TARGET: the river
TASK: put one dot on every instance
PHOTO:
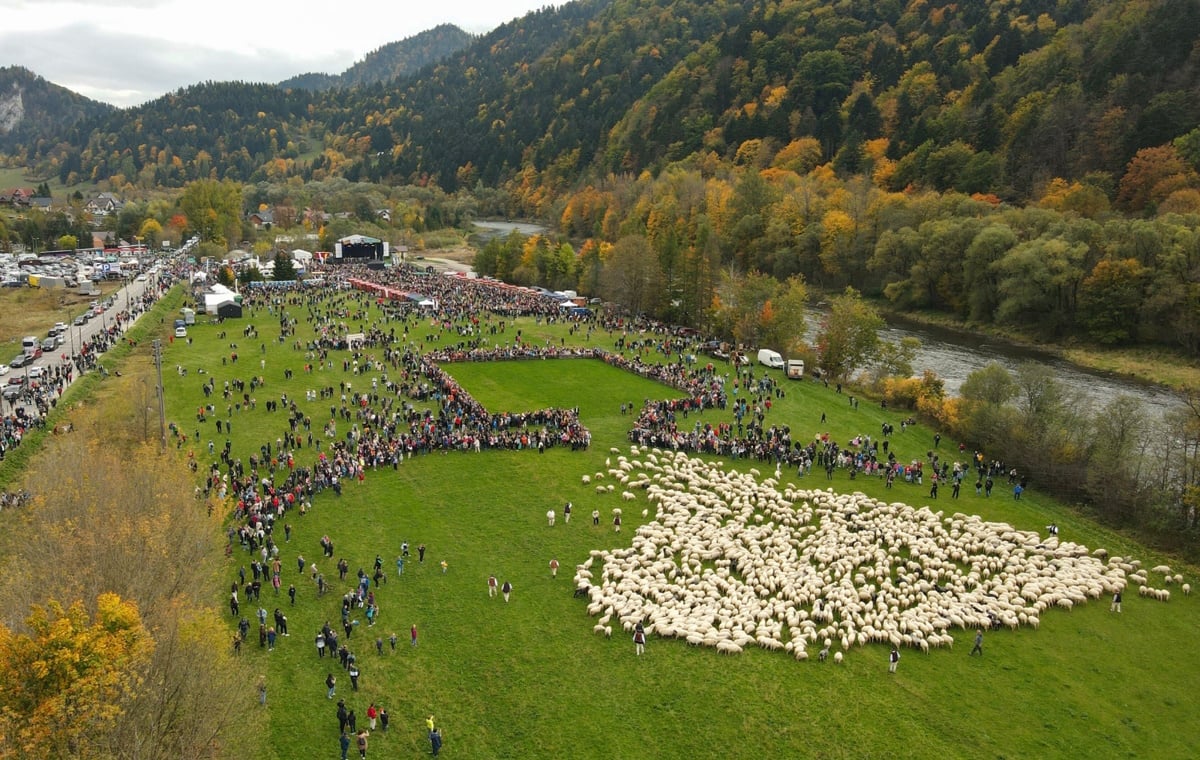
(493, 229)
(954, 355)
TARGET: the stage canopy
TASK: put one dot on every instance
(359, 249)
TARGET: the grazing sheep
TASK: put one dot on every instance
(628, 495)
(837, 658)
(728, 562)
(586, 479)
(1186, 589)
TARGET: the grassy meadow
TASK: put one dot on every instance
(529, 679)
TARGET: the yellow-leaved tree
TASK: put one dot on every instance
(69, 678)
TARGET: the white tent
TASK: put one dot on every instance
(428, 303)
(217, 295)
(302, 255)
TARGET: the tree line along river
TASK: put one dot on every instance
(954, 355)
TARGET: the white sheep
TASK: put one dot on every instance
(823, 565)
(837, 658)
(1186, 589)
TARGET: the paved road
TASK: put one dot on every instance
(121, 301)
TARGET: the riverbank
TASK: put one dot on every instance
(1150, 365)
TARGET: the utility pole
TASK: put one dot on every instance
(162, 401)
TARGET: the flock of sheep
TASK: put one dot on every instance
(730, 562)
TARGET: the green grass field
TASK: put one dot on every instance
(529, 679)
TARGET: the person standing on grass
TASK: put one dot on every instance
(978, 648)
(639, 641)
(362, 744)
(421, 553)
(595, 518)
(344, 744)
(554, 568)
(262, 690)
(506, 589)
(893, 660)
(435, 741)
(413, 633)
(330, 684)
(492, 584)
(1116, 603)
(372, 715)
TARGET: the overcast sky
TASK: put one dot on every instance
(127, 52)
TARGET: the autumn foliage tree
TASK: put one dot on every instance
(117, 517)
(70, 677)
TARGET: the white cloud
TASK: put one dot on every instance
(127, 52)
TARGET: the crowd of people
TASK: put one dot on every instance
(390, 398)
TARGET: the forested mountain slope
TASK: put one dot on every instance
(34, 110)
(995, 97)
(391, 61)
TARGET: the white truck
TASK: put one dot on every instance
(795, 369)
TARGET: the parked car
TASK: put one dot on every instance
(36, 371)
(180, 332)
(4, 370)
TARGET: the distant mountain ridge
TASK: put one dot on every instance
(33, 108)
(391, 61)
(991, 98)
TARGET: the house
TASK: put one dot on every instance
(262, 219)
(316, 217)
(104, 204)
(41, 203)
(18, 197)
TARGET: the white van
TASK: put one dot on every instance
(795, 369)
(769, 358)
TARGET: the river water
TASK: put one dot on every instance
(492, 229)
(954, 355)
